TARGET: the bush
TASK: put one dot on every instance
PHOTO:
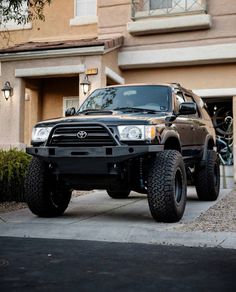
(13, 166)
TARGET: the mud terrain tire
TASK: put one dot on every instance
(167, 187)
(45, 196)
(207, 178)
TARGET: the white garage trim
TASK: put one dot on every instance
(211, 54)
(49, 71)
(114, 76)
(215, 92)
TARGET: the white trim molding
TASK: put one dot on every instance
(49, 71)
(42, 54)
(211, 54)
(83, 20)
(114, 76)
(215, 92)
(169, 24)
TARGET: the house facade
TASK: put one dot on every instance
(192, 42)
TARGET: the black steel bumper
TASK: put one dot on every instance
(90, 160)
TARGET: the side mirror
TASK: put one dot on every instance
(70, 112)
(187, 108)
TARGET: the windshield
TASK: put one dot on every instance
(150, 97)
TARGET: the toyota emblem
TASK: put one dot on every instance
(82, 134)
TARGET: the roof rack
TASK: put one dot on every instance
(175, 83)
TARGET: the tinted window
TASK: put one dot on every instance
(145, 96)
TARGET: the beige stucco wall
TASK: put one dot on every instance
(13, 116)
(193, 77)
(223, 15)
(56, 27)
(53, 91)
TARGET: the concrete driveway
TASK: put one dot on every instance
(96, 216)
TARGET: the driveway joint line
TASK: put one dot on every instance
(106, 212)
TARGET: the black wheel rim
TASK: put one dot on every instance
(178, 185)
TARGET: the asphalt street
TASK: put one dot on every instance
(72, 265)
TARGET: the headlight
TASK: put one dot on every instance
(137, 133)
(40, 134)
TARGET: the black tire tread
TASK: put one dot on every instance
(160, 187)
(204, 178)
(37, 194)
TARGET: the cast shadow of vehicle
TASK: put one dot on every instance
(132, 209)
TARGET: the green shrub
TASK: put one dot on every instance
(13, 166)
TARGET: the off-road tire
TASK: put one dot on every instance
(167, 187)
(207, 178)
(45, 196)
(118, 194)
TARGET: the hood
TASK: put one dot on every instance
(109, 119)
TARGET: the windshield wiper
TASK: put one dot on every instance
(95, 111)
(135, 109)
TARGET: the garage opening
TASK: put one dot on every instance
(221, 112)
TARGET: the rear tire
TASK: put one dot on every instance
(45, 196)
(207, 178)
(167, 187)
(118, 194)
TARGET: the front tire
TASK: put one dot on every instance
(45, 196)
(207, 178)
(167, 187)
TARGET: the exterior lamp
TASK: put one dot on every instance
(86, 84)
(7, 90)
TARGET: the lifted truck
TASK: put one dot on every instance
(151, 139)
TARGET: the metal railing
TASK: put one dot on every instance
(156, 8)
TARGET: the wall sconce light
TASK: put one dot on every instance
(86, 84)
(7, 90)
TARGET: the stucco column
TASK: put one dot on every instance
(234, 128)
(12, 116)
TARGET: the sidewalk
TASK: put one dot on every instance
(97, 217)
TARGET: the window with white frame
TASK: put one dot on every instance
(162, 16)
(167, 7)
(85, 12)
(11, 24)
(69, 102)
(160, 4)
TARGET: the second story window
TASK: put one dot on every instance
(14, 19)
(85, 12)
(164, 16)
(142, 8)
(160, 4)
(86, 7)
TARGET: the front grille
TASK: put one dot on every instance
(67, 136)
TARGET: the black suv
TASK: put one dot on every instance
(151, 139)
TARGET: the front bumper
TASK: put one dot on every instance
(90, 160)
